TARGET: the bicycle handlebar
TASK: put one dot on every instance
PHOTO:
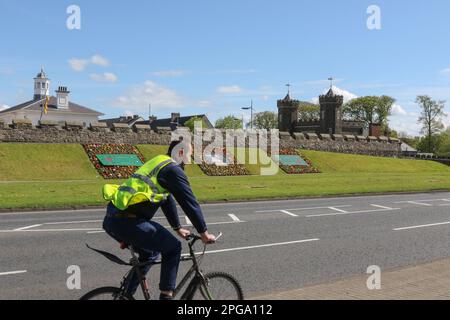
(194, 238)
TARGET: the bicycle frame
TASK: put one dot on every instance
(197, 280)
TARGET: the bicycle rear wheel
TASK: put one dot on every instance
(219, 286)
(106, 293)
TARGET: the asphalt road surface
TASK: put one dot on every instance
(269, 246)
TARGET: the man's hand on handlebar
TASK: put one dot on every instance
(208, 238)
(183, 233)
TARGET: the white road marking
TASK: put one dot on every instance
(382, 207)
(188, 221)
(300, 209)
(349, 213)
(47, 230)
(420, 203)
(71, 222)
(337, 209)
(258, 246)
(423, 226)
(12, 273)
(29, 227)
(288, 213)
(234, 217)
(51, 211)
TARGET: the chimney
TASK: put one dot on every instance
(175, 117)
(62, 98)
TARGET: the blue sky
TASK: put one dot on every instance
(213, 57)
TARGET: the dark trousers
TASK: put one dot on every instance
(150, 240)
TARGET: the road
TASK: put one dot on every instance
(269, 246)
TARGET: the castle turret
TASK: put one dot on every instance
(331, 112)
(287, 113)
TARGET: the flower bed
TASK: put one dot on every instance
(227, 166)
(112, 172)
(296, 169)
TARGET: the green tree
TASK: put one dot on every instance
(370, 109)
(265, 120)
(444, 144)
(308, 112)
(229, 122)
(191, 123)
(431, 121)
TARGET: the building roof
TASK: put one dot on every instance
(167, 123)
(36, 105)
(126, 120)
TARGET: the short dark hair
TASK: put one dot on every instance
(173, 145)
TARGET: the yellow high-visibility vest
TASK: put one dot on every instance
(141, 187)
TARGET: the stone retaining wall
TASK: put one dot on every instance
(71, 132)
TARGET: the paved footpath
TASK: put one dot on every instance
(429, 281)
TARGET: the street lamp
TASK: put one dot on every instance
(251, 117)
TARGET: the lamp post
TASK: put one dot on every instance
(251, 114)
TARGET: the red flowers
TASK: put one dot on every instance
(112, 172)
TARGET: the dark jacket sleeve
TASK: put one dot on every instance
(174, 180)
(169, 209)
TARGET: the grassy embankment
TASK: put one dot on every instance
(51, 176)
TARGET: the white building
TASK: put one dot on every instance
(60, 108)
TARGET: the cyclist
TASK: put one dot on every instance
(157, 184)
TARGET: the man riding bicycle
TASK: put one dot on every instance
(157, 184)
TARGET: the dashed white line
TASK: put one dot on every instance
(350, 213)
(234, 217)
(12, 273)
(288, 213)
(337, 209)
(259, 246)
(420, 203)
(71, 222)
(301, 209)
(423, 226)
(29, 227)
(382, 207)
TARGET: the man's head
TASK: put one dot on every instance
(180, 151)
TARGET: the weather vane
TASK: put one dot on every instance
(289, 88)
(331, 79)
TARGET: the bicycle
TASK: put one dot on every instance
(201, 287)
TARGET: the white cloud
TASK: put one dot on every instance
(348, 96)
(78, 64)
(138, 98)
(229, 89)
(104, 77)
(81, 64)
(169, 73)
(398, 110)
(3, 107)
(446, 71)
(99, 60)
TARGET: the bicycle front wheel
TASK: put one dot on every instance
(219, 286)
(106, 293)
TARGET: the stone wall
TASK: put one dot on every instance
(73, 132)
(382, 146)
(76, 133)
